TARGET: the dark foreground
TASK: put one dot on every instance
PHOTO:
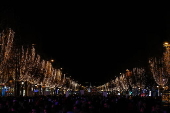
(81, 104)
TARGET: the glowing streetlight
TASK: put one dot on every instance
(166, 44)
(52, 60)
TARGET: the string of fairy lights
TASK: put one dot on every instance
(138, 77)
(25, 65)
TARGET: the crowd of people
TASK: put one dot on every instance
(90, 103)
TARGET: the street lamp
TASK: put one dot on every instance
(52, 60)
(166, 44)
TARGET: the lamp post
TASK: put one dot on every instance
(52, 60)
(22, 88)
(166, 44)
(43, 89)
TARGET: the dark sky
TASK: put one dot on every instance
(92, 42)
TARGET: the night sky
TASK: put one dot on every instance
(92, 42)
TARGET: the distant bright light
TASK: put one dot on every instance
(149, 93)
(166, 43)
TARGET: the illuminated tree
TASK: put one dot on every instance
(140, 77)
(21, 64)
(6, 53)
(118, 84)
(159, 71)
(124, 82)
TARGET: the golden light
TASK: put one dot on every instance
(159, 71)
(166, 57)
(52, 60)
(140, 77)
(166, 44)
(43, 86)
(128, 72)
(31, 67)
